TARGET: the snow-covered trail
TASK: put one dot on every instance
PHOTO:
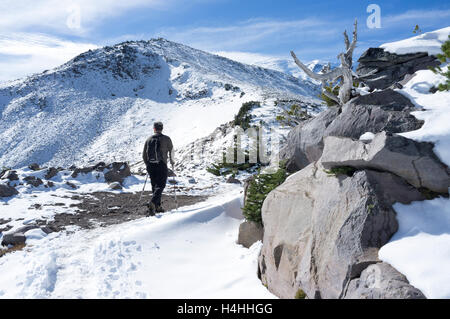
(190, 253)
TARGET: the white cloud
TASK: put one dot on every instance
(414, 17)
(62, 16)
(22, 54)
(250, 34)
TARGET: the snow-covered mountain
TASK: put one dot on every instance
(101, 105)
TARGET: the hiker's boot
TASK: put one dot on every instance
(151, 209)
(159, 209)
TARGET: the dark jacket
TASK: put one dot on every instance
(166, 148)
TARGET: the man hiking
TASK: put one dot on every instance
(156, 150)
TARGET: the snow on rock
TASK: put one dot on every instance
(420, 249)
(190, 253)
(430, 42)
(435, 112)
(368, 136)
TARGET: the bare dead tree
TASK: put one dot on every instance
(342, 75)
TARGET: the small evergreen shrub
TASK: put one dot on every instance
(225, 168)
(341, 170)
(444, 58)
(329, 88)
(300, 294)
(258, 189)
(244, 117)
(292, 115)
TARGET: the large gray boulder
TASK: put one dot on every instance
(322, 231)
(380, 111)
(381, 281)
(411, 160)
(249, 233)
(380, 69)
(7, 191)
(304, 142)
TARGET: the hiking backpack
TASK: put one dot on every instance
(154, 153)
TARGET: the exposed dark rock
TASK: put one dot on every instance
(34, 167)
(380, 69)
(72, 185)
(249, 233)
(117, 172)
(13, 239)
(99, 166)
(51, 172)
(84, 170)
(11, 175)
(32, 180)
(7, 191)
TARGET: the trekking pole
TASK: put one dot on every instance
(174, 189)
(146, 177)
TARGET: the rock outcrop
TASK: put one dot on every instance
(382, 281)
(13, 239)
(7, 191)
(414, 161)
(380, 111)
(33, 180)
(249, 233)
(321, 232)
(10, 175)
(117, 172)
(380, 69)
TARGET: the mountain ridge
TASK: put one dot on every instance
(100, 105)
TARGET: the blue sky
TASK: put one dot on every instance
(37, 35)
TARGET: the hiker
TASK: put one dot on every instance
(156, 150)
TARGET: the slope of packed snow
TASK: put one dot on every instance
(430, 42)
(101, 105)
(421, 247)
(189, 253)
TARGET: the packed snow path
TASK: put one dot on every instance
(190, 253)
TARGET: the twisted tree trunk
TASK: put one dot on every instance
(343, 73)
